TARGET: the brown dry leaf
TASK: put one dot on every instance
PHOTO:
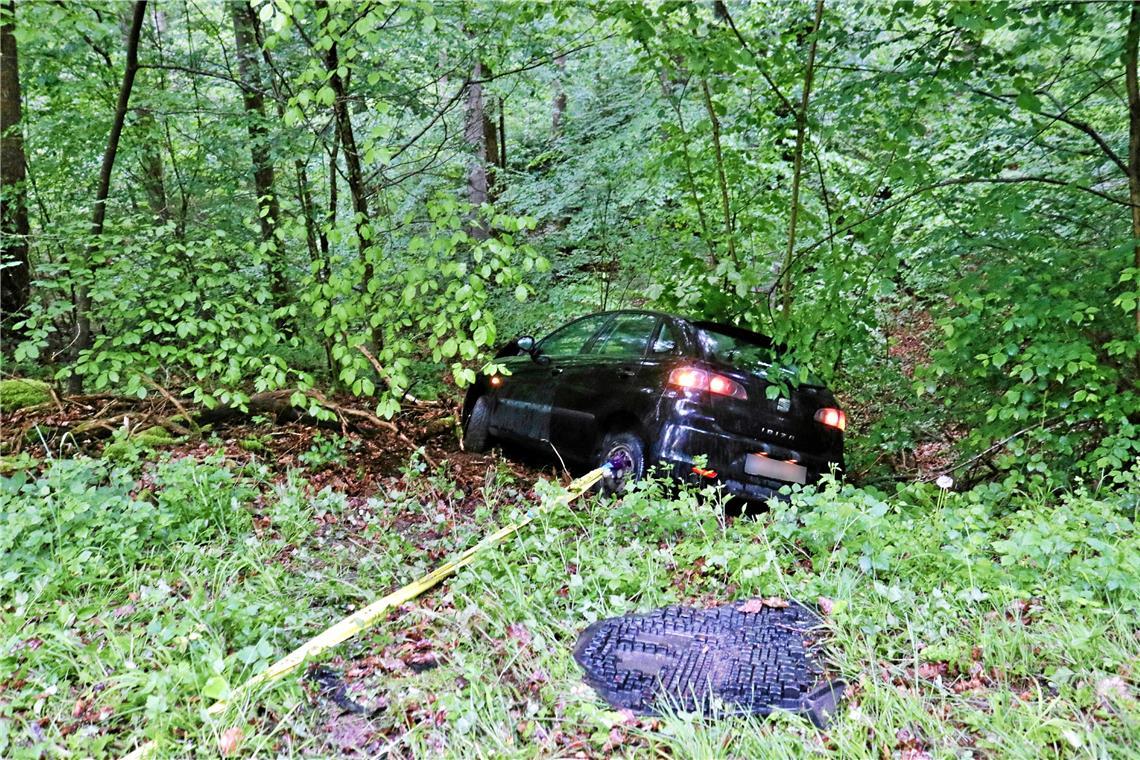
(1111, 689)
(932, 670)
(421, 661)
(752, 606)
(756, 605)
(79, 709)
(350, 732)
(616, 739)
(519, 633)
(970, 685)
(230, 741)
(825, 606)
(915, 754)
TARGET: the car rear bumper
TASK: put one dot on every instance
(682, 444)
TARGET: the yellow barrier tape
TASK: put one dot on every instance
(366, 617)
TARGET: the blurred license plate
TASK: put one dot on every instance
(767, 467)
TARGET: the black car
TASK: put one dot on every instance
(639, 388)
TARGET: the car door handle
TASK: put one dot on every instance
(626, 372)
(556, 371)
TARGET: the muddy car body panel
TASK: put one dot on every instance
(695, 394)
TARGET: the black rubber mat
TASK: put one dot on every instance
(727, 659)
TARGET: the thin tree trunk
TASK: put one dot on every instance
(491, 151)
(559, 105)
(356, 187)
(722, 180)
(475, 132)
(153, 171)
(268, 207)
(797, 164)
(706, 237)
(1133, 86)
(83, 296)
(334, 184)
(305, 198)
(316, 239)
(150, 162)
(502, 133)
(15, 271)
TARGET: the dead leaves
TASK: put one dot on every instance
(519, 633)
(933, 671)
(826, 606)
(348, 733)
(1112, 689)
(755, 605)
(123, 611)
(230, 741)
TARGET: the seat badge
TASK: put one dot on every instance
(783, 404)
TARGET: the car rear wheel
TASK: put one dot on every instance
(477, 434)
(626, 453)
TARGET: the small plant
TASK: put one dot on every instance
(327, 450)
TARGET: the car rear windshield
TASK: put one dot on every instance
(741, 350)
(738, 350)
(751, 352)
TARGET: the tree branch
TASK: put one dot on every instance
(1075, 123)
(722, 11)
(245, 87)
(966, 180)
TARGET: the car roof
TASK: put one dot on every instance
(721, 327)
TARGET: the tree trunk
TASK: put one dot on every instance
(15, 271)
(316, 239)
(691, 181)
(1133, 87)
(153, 171)
(475, 132)
(356, 187)
(559, 106)
(150, 162)
(334, 200)
(502, 133)
(797, 164)
(268, 208)
(83, 296)
(492, 157)
(722, 180)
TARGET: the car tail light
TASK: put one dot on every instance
(832, 418)
(700, 380)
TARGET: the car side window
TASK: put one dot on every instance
(628, 336)
(667, 341)
(572, 338)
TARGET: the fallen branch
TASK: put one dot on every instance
(382, 374)
(169, 397)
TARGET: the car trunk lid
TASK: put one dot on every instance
(788, 419)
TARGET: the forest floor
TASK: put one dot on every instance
(143, 579)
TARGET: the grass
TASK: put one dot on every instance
(131, 596)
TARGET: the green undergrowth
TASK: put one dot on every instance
(132, 595)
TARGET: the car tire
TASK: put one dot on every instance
(629, 448)
(477, 434)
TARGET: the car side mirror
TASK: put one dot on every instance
(527, 345)
(664, 346)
